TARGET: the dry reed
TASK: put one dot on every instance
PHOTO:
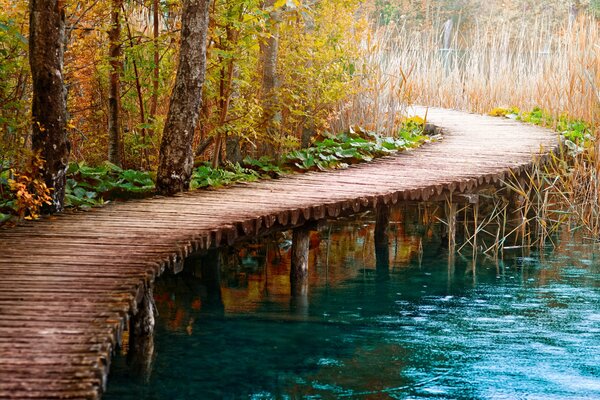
(531, 64)
(496, 64)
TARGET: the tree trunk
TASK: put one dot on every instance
(156, 70)
(155, 79)
(140, 96)
(49, 106)
(270, 84)
(225, 86)
(114, 98)
(176, 159)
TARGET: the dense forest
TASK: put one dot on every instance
(102, 99)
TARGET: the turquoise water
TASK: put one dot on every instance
(424, 327)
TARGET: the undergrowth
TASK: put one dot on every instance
(22, 196)
(90, 186)
(330, 151)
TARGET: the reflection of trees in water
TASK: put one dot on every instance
(253, 273)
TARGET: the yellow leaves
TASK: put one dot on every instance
(29, 190)
(503, 111)
(414, 120)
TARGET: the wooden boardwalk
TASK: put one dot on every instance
(68, 282)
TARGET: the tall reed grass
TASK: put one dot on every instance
(490, 64)
(536, 64)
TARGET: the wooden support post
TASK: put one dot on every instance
(382, 248)
(299, 301)
(211, 280)
(143, 320)
(299, 264)
(141, 335)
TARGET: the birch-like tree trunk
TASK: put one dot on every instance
(176, 161)
(48, 105)
(114, 99)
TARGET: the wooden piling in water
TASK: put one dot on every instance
(299, 259)
(211, 279)
(382, 248)
(141, 335)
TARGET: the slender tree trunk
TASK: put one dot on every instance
(49, 106)
(114, 99)
(156, 70)
(308, 127)
(176, 159)
(225, 87)
(140, 96)
(270, 84)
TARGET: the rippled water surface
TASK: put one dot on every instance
(527, 327)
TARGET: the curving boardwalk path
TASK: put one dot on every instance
(68, 282)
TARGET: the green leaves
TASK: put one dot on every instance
(537, 116)
(206, 176)
(90, 186)
(330, 152)
(11, 30)
(4, 218)
(264, 166)
(355, 146)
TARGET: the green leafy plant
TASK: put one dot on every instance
(264, 165)
(207, 176)
(510, 112)
(330, 151)
(356, 145)
(537, 116)
(90, 186)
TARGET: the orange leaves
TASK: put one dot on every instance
(29, 191)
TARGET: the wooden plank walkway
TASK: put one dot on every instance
(68, 282)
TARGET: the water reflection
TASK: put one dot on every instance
(401, 320)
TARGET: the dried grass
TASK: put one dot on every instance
(557, 69)
(493, 64)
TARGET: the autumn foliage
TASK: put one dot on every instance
(280, 73)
